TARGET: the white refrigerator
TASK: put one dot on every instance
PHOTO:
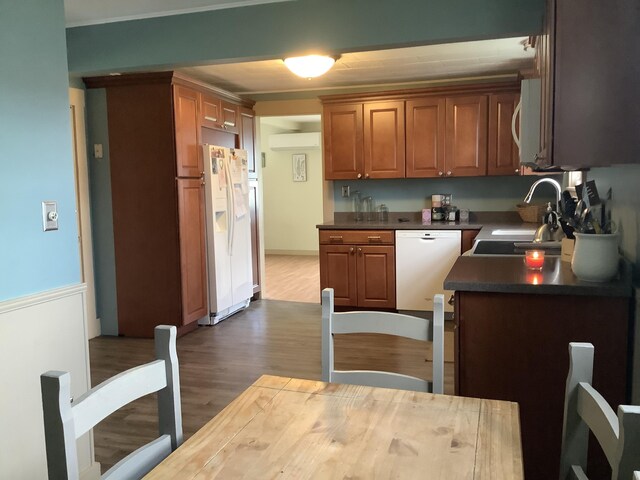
(228, 225)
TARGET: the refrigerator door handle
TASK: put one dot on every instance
(231, 202)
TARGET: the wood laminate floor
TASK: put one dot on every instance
(218, 363)
(294, 278)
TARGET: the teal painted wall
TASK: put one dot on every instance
(474, 193)
(36, 161)
(101, 212)
(624, 181)
(277, 29)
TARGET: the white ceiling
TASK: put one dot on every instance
(383, 67)
(395, 67)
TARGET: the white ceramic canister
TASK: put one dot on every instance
(595, 256)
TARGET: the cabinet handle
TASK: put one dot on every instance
(366, 175)
(335, 238)
(359, 250)
(359, 175)
(449, 173)
(374, 238)
(352, 250)
(517, 171)
(441, 173)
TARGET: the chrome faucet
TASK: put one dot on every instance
(553, 182)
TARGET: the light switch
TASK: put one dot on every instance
(49, 216)
(97, 150)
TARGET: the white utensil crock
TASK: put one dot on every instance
(595, 256)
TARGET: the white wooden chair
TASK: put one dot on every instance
(386, 323)
(636, 475)
(66, 419)
(585, 409)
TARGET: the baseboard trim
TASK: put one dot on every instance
(310, 253)
(91, 473)
(42, 297)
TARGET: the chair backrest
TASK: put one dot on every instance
(585, 409)
(636, 475)
(66, 419)
(386, 323)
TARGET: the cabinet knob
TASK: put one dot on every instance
(359, 175)
(449, 173)
(352, 250)
(517, 171)
(366, 175)
(440, 173)
(359, 250)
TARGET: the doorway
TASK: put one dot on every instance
(292, 189)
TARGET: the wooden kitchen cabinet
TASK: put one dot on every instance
(384, 143)
(343, 141)
(503, 154)
(437, 132)
(187, 132)
(513, 346)
(465, 152)
(590, 108)
(155, 129)
(247, 138)
(360, 266)
(219, 114)
(425, 133)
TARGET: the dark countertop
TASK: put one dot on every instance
(345, 221)
(506, 274)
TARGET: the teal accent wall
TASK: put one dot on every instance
(624, 181)
(36, 161)
(101, 212)
(278, 29)
(485, 194)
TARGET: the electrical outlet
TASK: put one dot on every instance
(346, 191)
(97, 150)
(49, 216)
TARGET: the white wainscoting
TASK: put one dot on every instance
(41, 332)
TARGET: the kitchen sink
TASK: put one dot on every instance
(510, 247)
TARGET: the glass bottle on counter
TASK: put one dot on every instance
(383, 213)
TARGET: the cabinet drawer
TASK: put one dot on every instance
(374, 237)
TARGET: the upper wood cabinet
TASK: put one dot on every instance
(219, 114)
(425, 133)
(590, 102)
(384, 144)
(343, 144)
(437, 132)
(466, 136)
(247, 138)
(503, 155)
(187, 132)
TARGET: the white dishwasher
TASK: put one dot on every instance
(423, 260)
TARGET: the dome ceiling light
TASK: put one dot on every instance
(310, 66)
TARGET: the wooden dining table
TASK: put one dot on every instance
(294, 428)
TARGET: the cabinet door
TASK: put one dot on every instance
(343, 157)
(210, 111)
(255, 235)
(596, 112)
(187, 126)
(247, 138)
(503, 155)
(384, 145)
(466, 136)
(338, 271)
(376, 276)
(230, 117)
(191, 218)
(425, 123)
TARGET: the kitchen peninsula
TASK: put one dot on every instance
(512, 330)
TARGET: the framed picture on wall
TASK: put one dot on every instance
(299, 167)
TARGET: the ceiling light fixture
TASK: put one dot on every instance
(310, 66)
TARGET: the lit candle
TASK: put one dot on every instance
(534, 259)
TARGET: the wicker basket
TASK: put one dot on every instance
(531, 213)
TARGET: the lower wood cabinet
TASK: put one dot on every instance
(359, 266)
